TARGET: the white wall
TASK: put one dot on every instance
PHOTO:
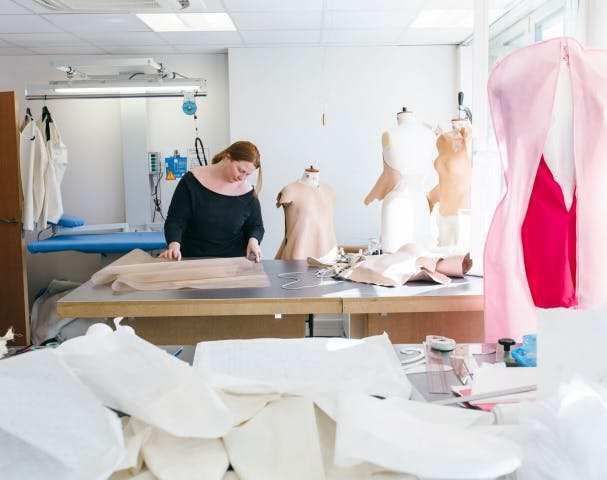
(276, 99)
(93, 183)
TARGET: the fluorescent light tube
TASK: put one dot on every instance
(125, 90)
(163, 22)
(188, 22)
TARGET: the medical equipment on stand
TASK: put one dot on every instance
(189, 106)
(155, 174)
(198, 145)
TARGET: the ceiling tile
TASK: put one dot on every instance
(384, 36)
(429, 36)
(7, 7)
(25, 24)
(273, 5)
(12, 51)
(375, 4)
(97, 22)
(258, 37)
(202, 38)
(204, 6)
(449, 5)
(123, 38)
(139, 50)
(278, 20)
(32, 6)
(355, 20)
(199, 49)
(40, 39)
(68, 50)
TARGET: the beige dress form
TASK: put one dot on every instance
(309, 229)
(454, 168)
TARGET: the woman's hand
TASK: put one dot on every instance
(254, 250)
(173, 252)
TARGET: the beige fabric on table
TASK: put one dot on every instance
(280, 442)
(309, 229)
(140, 271)
(409, 263)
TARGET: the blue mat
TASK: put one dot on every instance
(101, 243)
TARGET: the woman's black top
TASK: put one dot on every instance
(209, 224)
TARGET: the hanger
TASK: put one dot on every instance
(311, 169)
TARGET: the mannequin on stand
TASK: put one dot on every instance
(308, 206)
(408, 151)
(454, 167)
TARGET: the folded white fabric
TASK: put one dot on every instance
(390, 434)
(362, 471)
(134, 438)
(174, 458)
(562, 436)
(280, 442)
(52, 426)
(316, 368)
(135, 377)
(126, 475)
(244, 407)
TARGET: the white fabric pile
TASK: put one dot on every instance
(270, 409)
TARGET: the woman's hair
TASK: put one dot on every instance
(242, 151)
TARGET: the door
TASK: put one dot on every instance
(14, 309)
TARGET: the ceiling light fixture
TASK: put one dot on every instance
(188, 22)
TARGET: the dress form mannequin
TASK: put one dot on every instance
(408, 150)
(308, 207)
(311, 177)
(454, 168)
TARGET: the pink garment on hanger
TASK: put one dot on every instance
(548, 235)
(521, 95)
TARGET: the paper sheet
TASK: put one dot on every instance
(570, 342)
(317, 368)
(135, 377)
(491, 378)
(389, 435)
(280, 442)
(52, 426)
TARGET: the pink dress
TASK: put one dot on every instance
(548, 236)
(537, 253)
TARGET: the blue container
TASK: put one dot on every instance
(526, 356)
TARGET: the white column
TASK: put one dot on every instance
(480, 47)
(134, 161)
(596, 22)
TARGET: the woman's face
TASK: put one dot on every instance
(239, 171)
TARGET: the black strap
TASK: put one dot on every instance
(47, 119)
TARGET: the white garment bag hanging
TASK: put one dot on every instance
(57, 163)
(33, 166)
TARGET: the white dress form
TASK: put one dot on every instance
(408, 151)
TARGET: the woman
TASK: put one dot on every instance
(214, 211)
